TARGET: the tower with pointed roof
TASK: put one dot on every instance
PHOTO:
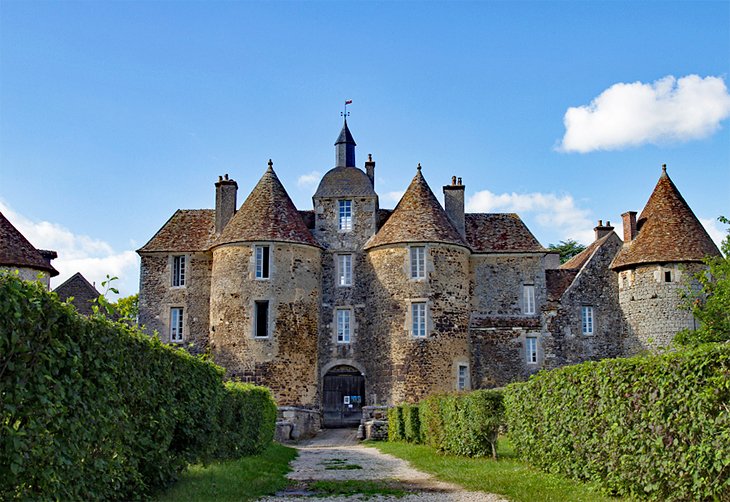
(662, 249)
(18, 254)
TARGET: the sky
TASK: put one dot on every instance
(115, 114)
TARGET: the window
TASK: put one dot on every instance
(261, 319)
(178, 270)
(176, 325)
(344, 270)
(462, 377)
(667, 276)
(528, 299)
(418, 262)
(587, 320)
(345, 215)
(262, 262)
(418, 319)
(531, 349)
(343, 325)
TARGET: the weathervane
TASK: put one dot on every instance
(346, 113)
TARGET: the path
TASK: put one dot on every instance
(327, 457)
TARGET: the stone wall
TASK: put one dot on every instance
(286, 360)
(31, 274)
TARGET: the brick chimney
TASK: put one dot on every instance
(454, 204)
(629, 218)
(601, 230)
(370, 169)
(225, 202)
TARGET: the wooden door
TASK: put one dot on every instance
(343, 397)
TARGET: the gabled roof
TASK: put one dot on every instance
(418, 217)
(16, 251)
(500, 233)
(268, 214)
(83, 293)
(345, 135)
(186, 230)
(667, 231)
(345, 182)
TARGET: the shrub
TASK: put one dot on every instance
(656, 426)
(412, 423)
(247, 420)
(396, 425)
(93, 409)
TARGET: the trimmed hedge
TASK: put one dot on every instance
(651, 426)
(396, 424)
(93, 409)
(404, 423)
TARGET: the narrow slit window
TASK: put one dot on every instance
(344, 327)
(463, 377)
(262, 262)
(176, 325)
(261, 321)
(345, 213)
(178, 270)
(418, 262)
(587, 320)
(528, 299)
(418, 319)
(531, 349)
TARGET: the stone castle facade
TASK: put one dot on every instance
(348, 304)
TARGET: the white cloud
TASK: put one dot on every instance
(555, 213)
(393, 197)
(309, 180)
(94, 258)
(717, 230)
(632, 114)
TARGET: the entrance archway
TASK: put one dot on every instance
(343, 396)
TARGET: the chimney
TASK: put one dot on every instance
(629, 218)
(601, 230)
(370, 169)
(454, 204)
(225, 202)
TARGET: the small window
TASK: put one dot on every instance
(344, 270)
(418, 319)
(176, 325)
(587, 320)
(528, 299)
(531, 349)
(462, 377)
(178, 270)
(343, 325)
(667, 276)
(345, 215)
(261, 319)
(418, 262)
(262, 262)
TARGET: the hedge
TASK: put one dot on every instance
(396, 424)
(93, 409)
(651, 426)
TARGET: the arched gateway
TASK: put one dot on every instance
(343, 396)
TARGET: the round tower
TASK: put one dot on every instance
(419, 299)
(662, 250)
(265, 295)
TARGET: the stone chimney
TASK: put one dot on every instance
(601, 230)
(629, 218)
(454, 204)
(370, 169)
(225, 202)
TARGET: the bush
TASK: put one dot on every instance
(412, 423)
(92, 409)
(656, 426)
(396, 424)
(247, 420)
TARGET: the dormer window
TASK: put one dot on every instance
(345, 215)
(262, 261)
(178, 271)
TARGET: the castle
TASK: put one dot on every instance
(348, 304)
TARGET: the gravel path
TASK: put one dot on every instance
(335, 454)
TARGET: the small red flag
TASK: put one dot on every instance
(348, 102)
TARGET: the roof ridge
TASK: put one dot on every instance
(17, 251)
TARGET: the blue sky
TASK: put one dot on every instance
(113, 115)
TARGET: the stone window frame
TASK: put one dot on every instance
(345, 223)
(426, 318)
(415, 248)
(350, 321)
(587, 320)
(338, 269)
(255, 321)
(532, 354)
(178, 274)
(262, 262)
(467, 376)
(176, 334)
(528, 300)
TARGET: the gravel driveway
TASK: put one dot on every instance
(335, 454)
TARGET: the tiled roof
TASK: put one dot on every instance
(268, 214)
(345, 182)
(81, 290)
(577, 261)
(668, 231)
(418, 217)
(186, 230)
(499, 232)
(558, 280)
(307, 217)
(383, 216)
(345, 135)
(16, 251)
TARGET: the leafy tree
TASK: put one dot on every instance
(710, 304)
(567, 249)
(127, 308)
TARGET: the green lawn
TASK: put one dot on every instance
(247, 478)
(507, 476)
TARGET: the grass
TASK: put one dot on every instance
(507, 476)
(353, 487)
(247, 478)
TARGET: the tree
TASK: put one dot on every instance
(710, 304)
(567, 249)
(127, 308)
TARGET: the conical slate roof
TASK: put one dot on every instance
(418, 217)
(345, 182)
(345, 135)
(268, 214)
(16, 251)
(667, 231)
